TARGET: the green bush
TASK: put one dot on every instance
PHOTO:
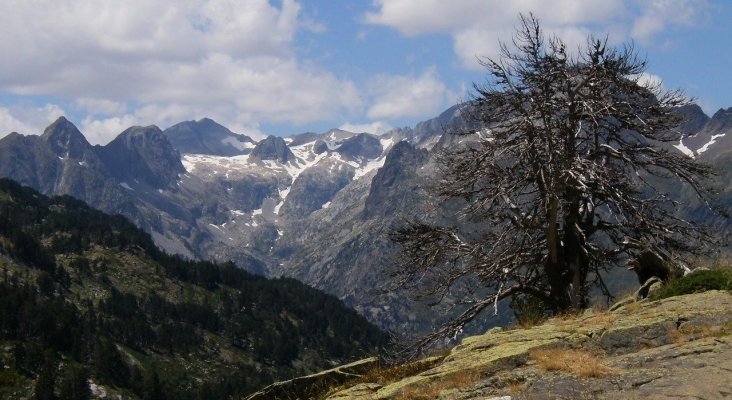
(701, 281)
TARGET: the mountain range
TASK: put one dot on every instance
(314, 206)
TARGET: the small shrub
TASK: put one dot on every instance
(696, 282)
(528, 310)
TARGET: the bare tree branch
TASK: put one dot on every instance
(563, 178)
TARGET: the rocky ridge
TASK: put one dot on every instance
(680, 347)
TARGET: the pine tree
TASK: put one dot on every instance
(563, 179)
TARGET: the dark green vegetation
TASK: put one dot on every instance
(84, 295)
(696, 282)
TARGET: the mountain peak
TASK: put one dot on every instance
(65, 139)
(143, 153)
(207, 136)
(364, 145)
(272, 148)
(140, 131)
(721, 121)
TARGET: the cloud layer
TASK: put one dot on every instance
(160, 62)
(118, 63)
(476, 25)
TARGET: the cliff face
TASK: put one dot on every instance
(679, 347)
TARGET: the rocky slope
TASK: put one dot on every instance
(680, 347)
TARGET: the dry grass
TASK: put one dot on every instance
(433, 389)
(633, 308)
(580, 363)
(517, 387)
(604, 319)
(689, 333)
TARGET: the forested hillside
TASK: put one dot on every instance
(87, 297)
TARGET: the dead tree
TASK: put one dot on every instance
(568, 178)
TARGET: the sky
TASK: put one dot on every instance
(284, 67)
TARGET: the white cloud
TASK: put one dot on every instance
(102, 131)
(648, 80)
(28, 120)
(659, 14)
(101, 106)
(406, 96)
(413, 17)
(376, 128)
(8, 123)
(128, 60)
(477, 25)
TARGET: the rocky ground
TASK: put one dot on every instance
(679, 348)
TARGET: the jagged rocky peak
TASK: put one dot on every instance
(694, 119)
(396, 178)
(65, 139)
(338, 135)
(137, 137)
(302, 138)
(143, 154)
(721, 121)
(272, 148)
(207, 136)
(363, 145)
(427, 133)
(320, 147)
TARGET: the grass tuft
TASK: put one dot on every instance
(580, 363)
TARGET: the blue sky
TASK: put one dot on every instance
(284, 66)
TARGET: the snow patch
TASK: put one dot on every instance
(126, 186)
(192, 162)
(257, 212)
(325, 205)
(682, 148)
(215, 226)
(709, 143)
(370, 166)
(283, 196)
(386, 144)
(239, 212)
